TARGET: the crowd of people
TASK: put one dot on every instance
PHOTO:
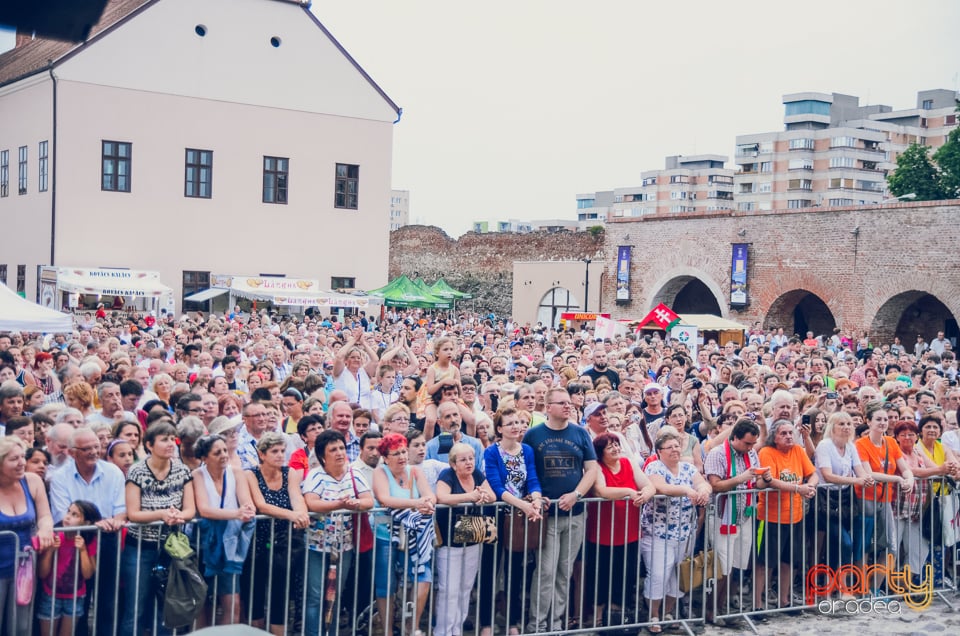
(430, 472)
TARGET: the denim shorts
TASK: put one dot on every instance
(385, 570)
(224, 584)
(49, 608)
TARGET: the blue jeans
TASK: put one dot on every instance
(141, 610)
(318, 564)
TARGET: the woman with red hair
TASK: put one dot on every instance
(44, 374)
(404, 489)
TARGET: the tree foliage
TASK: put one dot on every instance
(948, 160)
(930, 177)
(916, 173)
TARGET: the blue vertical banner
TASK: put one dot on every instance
(623, 273)
(738, 275)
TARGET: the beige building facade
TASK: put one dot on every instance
(543, 290)
(193, 136)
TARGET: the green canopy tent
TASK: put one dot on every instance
(403, 292)
(444, 290)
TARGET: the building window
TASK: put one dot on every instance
(801, 144)
(950, 120)
(746, 206)
(841, 162)
(765, 188)
(347, 186)
(843, 142)
(21, 279)
(22, 171)
(42, 167)
(677, 194)
(766, 166)
(194, 282)
(840, 202)
(3, 273)
(800, 164)
(800, 184)
(582, 204)
(649, 181)
(343, 282)
(793, 204)
(198, 177)
(116, 166)
(275, 179)
(927, 104)
(4, 174)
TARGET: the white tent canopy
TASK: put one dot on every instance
(17, 314)
(120, 282)
(296, 292)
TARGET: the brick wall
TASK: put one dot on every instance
(482, 264)
(874, 268)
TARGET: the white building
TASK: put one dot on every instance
(193, 136)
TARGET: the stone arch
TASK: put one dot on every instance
(688, 291)
(910, 313)
(553, 303)
(799, 311)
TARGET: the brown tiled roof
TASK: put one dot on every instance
(36, 55)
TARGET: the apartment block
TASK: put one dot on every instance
(833, 151)
(696, 183)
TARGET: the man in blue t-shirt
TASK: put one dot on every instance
(567, 467)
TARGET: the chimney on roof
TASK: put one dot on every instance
(24, 38)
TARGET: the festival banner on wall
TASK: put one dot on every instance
(623, 273)
(738, 275)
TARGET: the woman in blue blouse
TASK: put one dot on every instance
(511, 473)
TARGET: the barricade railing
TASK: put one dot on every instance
(604, 566)
(846, 550)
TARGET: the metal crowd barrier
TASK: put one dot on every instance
(846, 554)
(579, 578)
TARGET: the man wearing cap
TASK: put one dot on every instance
(517, 359)
(652, 402)
(595, 418)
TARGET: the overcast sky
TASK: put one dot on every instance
(513, 108)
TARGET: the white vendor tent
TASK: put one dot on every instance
(17, 314)
(293, 292)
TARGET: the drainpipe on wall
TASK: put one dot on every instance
(53, 172)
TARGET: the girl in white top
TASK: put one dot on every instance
(836, 457)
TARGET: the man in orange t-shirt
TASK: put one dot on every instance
(781, 513)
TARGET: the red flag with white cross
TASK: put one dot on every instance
(663, 316)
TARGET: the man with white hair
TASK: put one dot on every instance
(111, 404)
(783, 406)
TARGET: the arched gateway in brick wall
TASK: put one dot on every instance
(891, 270)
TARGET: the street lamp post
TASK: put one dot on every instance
(586, 284)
